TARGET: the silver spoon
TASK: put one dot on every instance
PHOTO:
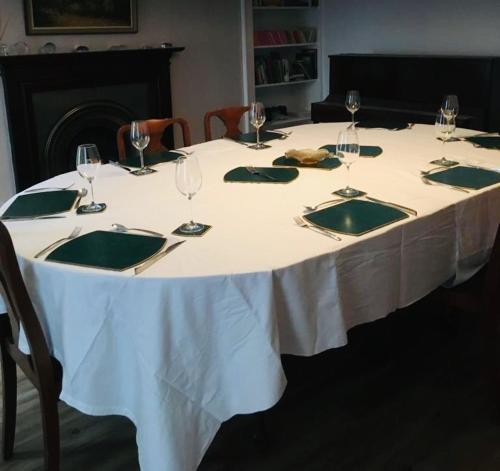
(314, 208)
(121, 228)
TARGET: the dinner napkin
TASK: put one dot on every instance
(355, 217)
(393, 125)
(488, 142)
(364, 151)
(280, 175)
(467, 177)
(151, 159)
(108, 250)
(41, 203)
(251, 137)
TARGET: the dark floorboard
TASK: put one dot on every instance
(409, 393)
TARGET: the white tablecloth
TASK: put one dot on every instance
(197, 337)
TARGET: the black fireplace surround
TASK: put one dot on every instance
(57, 101)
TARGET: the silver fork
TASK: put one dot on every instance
(302, 223)
(74, 233)
(314, 208)
(53, 188)
(430, 182)
(255, 171)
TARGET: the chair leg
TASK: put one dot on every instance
(9, 402)
(50, 425)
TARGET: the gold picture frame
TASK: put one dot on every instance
(73, 17)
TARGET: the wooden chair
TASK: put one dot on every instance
(40, 368)
(231, 118)
(157, 128)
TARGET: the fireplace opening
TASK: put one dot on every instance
(89, 123)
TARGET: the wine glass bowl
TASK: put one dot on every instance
(88, 162)
(352, 103)
(139, 136)
(257, 115)
(450, 107)
(347, 151)
(188, 180)
(444, 128)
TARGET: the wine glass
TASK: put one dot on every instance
(139, 136)
(444, 128)
(88, 162)
(347, 151)
(257, 119)
(449, 107)
(188, 181)
(352, 103)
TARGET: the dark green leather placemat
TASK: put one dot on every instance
(364, 151)
(41, 204)
(251, 137)
(151, 159)
(392, 125)
(325, 164)
(241, 174)
(355, 217)
(488, 142)
(467, 177)
(109, 250)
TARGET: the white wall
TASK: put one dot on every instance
(207, 75)
(456, 27)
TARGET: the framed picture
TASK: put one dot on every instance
(80, 16)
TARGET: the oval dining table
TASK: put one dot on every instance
(197, 337)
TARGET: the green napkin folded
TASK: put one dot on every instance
(392, 125)
(467, 177)
(355, 217)
(43, 203)
(251, 137)
(326, 164)
(279, 175)
(108, 250)
(488, 142)
(152, 159)
(364, 151)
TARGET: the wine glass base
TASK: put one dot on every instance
(259, 146)
(444, 162)
(91, 208)
(349, 192)
(192, 229)
(143, 171)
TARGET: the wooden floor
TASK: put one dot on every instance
(408, 393)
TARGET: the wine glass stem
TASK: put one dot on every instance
(190, 198)
(258, 136)
(92, 192)
(352, 115)
(348, 174)
(141, 152)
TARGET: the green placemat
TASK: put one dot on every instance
(355, 217)
(108, 250)
(392, 125)
(151, 159)
(325, 164)
(280, 175)
(364, 151)
(251, 137)
(488, 142)
(43, 203)
(467, 177)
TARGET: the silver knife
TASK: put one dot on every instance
(393, 205)
(139, 269)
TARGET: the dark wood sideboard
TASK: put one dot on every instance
(56, 101)
(411, 88)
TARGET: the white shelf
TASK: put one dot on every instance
(282, 84)
(285, 8)
(272, 46)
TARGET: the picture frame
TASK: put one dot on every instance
(77, 17)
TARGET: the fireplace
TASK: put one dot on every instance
(55, 102)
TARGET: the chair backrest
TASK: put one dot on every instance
(491, 294)
(157, 128)
(38, 365)
(231, 118)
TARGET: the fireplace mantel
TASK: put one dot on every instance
(39, 90)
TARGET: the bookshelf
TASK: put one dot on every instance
(282, 54)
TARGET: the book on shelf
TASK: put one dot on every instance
(277, 37)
